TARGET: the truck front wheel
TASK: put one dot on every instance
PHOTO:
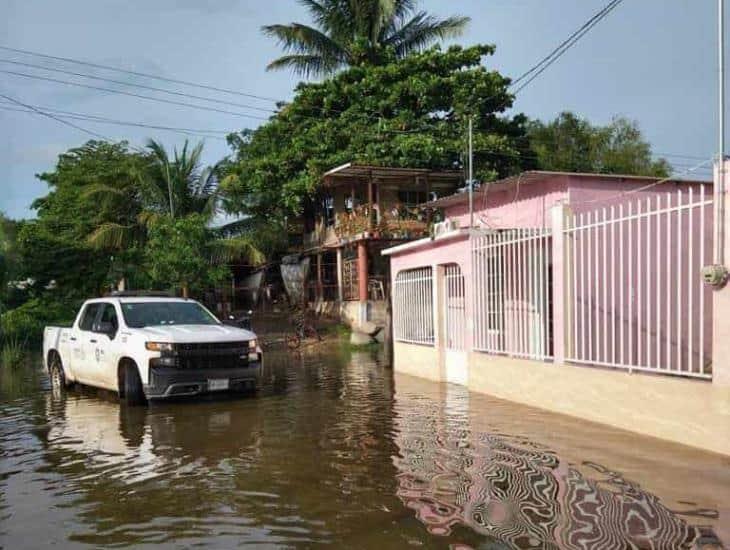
(133, 393)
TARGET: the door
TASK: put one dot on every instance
(83, 342)
(454, 319)
(105, 342)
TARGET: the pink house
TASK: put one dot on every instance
(580, 293)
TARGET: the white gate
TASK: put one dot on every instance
(453, 304)
(637, 300)
(513, 293)
(454, 307)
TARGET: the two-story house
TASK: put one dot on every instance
(360, 210)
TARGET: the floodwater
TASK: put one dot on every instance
(336, 449)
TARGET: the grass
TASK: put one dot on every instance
(12, 353)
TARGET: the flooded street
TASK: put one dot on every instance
(336, 449)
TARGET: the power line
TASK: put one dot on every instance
(567, 44)
(138, 73)
(559, 50)
(130, 94)
(57, 119)
(61, 111)
(104, 120)
(143, 86)
(207, 133)
(540, 67)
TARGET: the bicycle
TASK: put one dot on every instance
(303, 329)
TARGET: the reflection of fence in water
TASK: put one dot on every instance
(519, 492)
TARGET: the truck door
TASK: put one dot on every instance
(82, 342)
(106, 348)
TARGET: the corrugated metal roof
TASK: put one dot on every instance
(534, 176)
(352, 170)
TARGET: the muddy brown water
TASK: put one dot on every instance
(337, 450)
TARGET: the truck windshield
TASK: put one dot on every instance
(153, 314)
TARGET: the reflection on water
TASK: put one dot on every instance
(521, 493)
(335, 450)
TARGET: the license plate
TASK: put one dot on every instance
(218, 384)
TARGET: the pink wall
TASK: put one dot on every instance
(523, 205)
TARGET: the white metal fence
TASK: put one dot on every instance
(637, 299)
(413, 306)
(513, 293)
(454, 307)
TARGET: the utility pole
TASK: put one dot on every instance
(471, 172)
(169, 190)
(720, 188)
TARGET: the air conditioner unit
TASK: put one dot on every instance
(445, 227)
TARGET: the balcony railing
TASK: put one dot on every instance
(399, 224)
(363, 222)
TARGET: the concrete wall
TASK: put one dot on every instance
(417, 360)
(350, 312)
(690, 412)
(694, 413)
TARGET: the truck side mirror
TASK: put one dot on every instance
(104, 327)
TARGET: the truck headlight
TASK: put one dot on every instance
(159, 346)
(253, 354)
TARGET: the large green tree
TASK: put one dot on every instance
(353, 32)
(572, 144)
(411, 112)
(54, 246)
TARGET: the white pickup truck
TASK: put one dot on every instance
(151, 347)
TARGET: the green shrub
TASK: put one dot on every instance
(24, 325)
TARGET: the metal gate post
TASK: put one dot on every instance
(561, 320)
(721, 298)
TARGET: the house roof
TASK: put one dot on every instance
(535, 176)
(346, 173)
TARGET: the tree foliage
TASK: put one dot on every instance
(356, 32)
(54, 246)
(8, 256)
(572, 144)
(176, 253)
(412, 113)
(175, 186)
(94, 226)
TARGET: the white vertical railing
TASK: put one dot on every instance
(454, 307)
(512, 298)
(638, 298)
(413, 306)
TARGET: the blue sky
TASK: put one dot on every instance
(653, 61)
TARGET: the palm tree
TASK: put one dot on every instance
(351, 32)
(175, 187)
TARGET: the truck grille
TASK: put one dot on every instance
(211, 355)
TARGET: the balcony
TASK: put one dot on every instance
(398, 224)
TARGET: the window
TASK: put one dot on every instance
(109, 315)
(151, 314)
(411, 199)
(328, 211)
(87, 319)
(413, 306)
